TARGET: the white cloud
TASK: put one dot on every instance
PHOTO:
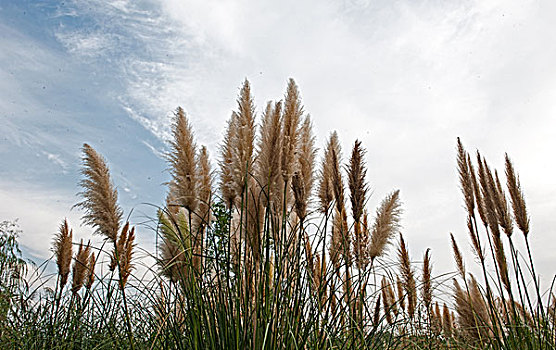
(88, 44)
(406, 77)
(40, 213)
(56, 159)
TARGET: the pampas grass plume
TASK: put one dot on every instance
(63, 252)
(99, 195)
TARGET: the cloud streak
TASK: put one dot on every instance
(405, 77)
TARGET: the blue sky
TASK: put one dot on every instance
(405, 77)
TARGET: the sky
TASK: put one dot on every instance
(404, 77)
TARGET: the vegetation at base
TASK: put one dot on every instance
(276, 249)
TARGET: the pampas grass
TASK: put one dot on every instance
(100, 198)
(326, 187)
(63, 252)
(517, 198)
(386, 224)
(269, 160)
(293, 110)
(356, 179)
(182, 159)
(426, 286)
(256, 263)
(458, 257)
(408, 278)
(302, 184)
(227, 171)
(80, 267)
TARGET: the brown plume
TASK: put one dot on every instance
(517, 198)
(243, 138)
(408, 277)
(458, 257)
(426, 291)
(80, 267)
(227, 171)
(386, 224)
(326, 187)
(401, 293)
(91, 272)
(446, 321)
(269, 171)
(126, 265)
(465, 179)
(63, 252)
(502, 208)
(356, 180)
(305, 170)
(293, 110)
(100, 198)
(202, 219)
(182, 162)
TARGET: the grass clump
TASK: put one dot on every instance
(279, 253)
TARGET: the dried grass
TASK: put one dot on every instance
(63, 252)
(100, 198)
(386, 224)
(80, 267)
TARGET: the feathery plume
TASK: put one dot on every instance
(386, 224)
(171, 201)
(356, 181)
(388, 300)
(254, 219)
(475, 240)
(502, 208)
(91, 272)
(63, 252)
(80, 266)
(100, 197)
(458, 257)
(401, 293)
(326, 188)
(477, 191)
(465, 179)
(501, 261)
(293, 110)
(269, 171)
(119, 247)
(204, 175)
(479, 305)
(490, 198)
(466, 317)
(299, 195)
(436, 319)
(426, 291)
(306, 162)
(309, 256)
(202, 220)
(182, 162)
(243, 138)
(517, 197)
(408, 278)
(471, 310)
(337, 182)
(446, 321)
(174, 248)
(361, 244)
(341, 242)
(126, 265)
(227, 184)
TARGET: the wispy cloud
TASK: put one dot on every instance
(56, 159)
(405, 77)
